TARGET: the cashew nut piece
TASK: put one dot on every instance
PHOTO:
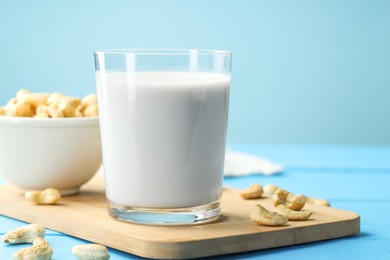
(41, 250)
(294, 202)
(91, 252)
(24, 234)
(264, 217)
(253, 192)
(48, 196)
(293, 214)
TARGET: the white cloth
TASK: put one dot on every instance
(240, 163)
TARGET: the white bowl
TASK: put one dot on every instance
(38, 153)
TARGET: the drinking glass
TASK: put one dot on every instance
(163, 120)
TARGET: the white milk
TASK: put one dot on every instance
(163, 137)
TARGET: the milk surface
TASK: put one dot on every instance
(163, 137)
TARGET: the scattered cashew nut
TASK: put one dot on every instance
(270, 189)
(48, 196)
(91, 252)
(316, 201)
(41, 250)
(294, 202)
(24, 234)
(253, 192)
(293, 214)
(264, 217)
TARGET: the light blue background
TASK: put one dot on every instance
(303, 71)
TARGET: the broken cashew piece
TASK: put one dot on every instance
(294, 202)
(91, 252)
(264, 217)
(24, 234)
(49, 196)
(293, 214)
(253, 192)
(41, 250)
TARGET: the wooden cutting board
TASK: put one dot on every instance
(85, 216)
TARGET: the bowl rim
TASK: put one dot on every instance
(55, 122)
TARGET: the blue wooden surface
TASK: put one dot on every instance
(354, 178)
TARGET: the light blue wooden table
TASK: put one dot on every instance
(354, 178)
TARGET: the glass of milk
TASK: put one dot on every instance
(163, 120)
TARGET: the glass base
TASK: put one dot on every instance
(176, 216)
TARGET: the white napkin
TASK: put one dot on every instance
(240, 163)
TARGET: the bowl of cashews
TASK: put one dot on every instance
(49, 140)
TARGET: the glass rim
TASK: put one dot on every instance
(163, 51)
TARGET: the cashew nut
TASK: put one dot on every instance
(68, 105)
(46, 197)
(293, 214)
(41, 250)
(316, 201)
(21, 93)
(91, 111)
(294, 202)
(297, 202)
(253, 192)
(18, 108)
(91, 252)
(270, 189)
(24, 234)
(264, 217)
(33, 99)
(54, 99)
(50, 111)
(78, 113)
(88, 100)
(42, 115)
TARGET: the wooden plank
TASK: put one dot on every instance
(85, 216)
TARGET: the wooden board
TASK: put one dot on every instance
(85, 216)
